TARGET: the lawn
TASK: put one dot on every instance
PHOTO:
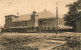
(31, 41)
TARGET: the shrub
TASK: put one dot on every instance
(73, 43)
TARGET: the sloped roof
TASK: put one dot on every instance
(23, 18)
(44, 14)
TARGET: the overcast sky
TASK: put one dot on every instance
(27, 6)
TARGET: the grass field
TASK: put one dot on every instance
(33, 41)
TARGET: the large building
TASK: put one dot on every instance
(36, 22)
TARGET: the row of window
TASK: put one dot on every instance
(23, 23)
(47, 28)
(47, 22)
(51, 22)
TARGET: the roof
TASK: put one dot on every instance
(23, 17)
(44, 14)
(10, 15)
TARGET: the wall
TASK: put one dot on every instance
(34, 19)
(8, 20)
(47, 22)
(78, 26)
(21, 23)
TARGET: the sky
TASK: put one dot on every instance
(27, 6)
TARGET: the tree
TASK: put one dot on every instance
(74, 43)
(73, 15)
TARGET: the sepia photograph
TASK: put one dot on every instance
(40, 24)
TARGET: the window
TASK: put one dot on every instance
(25, 22)
(20, 23)
(44, 22)
(48, 28)
(32, 28)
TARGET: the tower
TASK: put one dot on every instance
(34, 19)
(8, 20)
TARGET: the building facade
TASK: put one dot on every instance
(36, 22)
